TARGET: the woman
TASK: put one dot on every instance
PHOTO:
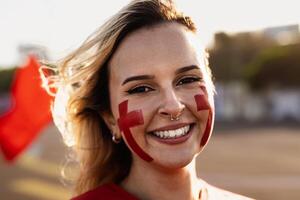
(139, 107)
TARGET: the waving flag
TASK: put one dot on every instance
(29, 112)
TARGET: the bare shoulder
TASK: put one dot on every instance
(215, 193)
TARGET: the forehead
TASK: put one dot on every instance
(162, 46)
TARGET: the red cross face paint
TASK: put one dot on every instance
(128, 120)
(203, 104)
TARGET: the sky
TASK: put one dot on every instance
(62, 25)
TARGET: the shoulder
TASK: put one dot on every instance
(215, 193)
(106, 192)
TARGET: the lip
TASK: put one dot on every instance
(171, 127)
(174, 141)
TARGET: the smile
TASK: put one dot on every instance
(170, 134)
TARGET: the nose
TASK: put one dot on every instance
(171, 105)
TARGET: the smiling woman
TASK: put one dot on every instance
(139, 107)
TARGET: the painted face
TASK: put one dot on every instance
(155, 75)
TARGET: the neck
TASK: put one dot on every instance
(157, 183)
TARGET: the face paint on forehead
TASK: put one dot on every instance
(203, 104)
(128, 120)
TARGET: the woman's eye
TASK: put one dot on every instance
(140, 89)
(188, 80)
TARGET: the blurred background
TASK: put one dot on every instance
(254, 51)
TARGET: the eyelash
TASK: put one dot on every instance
(144, 88)
(137, 90)
(188, 80)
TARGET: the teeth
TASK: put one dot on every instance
(173, 133)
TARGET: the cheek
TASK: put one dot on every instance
(149, 109)
(204, 103)
(189, 101)
(128, 120)
(147, 104)
(208, 129)
(202, 108)
(202, 116)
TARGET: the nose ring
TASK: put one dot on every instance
(175, 118)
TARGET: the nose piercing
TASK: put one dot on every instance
(175, 118)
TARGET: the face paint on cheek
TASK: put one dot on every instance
(128, 120)
(203, 104)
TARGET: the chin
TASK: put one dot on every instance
(173, 164)
(175, 159)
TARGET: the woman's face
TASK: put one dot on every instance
(156, 73)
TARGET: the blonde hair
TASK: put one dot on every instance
(81, 84)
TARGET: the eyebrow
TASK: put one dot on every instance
(136, 78)
(187, 68)
(147, 77)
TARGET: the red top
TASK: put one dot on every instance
(106, 192)
(114, 192)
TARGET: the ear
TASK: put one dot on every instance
(110, 122)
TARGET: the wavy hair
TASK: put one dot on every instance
(80, 84)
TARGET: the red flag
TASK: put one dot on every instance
(29, 112)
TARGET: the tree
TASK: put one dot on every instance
(276, 66)
(231, 53)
